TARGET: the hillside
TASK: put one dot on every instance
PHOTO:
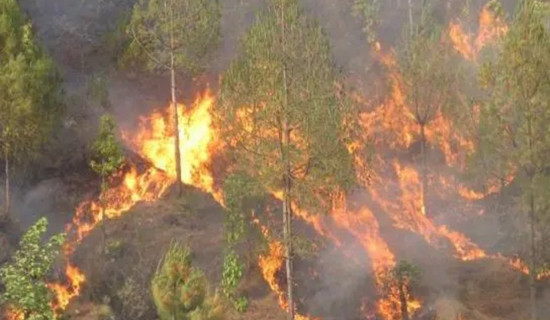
(423, 224)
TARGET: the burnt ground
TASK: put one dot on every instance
(330, 284)
(135, 244)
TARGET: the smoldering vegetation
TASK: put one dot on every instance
(337, 282)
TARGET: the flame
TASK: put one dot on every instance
(461, 41)
(198, 141)
(154, 141)
(12, 314)
(270, 264)
(390, 124)
(491, 27)
(63, 293)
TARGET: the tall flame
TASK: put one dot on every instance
(270, 264)
(155, 142)
(390, 124)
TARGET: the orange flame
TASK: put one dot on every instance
(155, 143)
(491, 27)
(63, 293)
(12, 314)
(270, 264)
(198, 141)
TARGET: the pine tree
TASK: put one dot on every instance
(173, 35)
(180, 291)
(108, 158)
(514, 120)
(283, 119)
(30, 93)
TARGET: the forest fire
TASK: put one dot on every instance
(64, 294)
(155, 142)
(491, 27)
(12, 314)
(270, 264)
(391, 124)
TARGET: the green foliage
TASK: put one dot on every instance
(30, 87)
(24, 278)
(242, 195)
(187, 28)
(232, 275)
(255, 103)
(407, 272)
(430, 85)
(369, 11)
(114, 247)
(404, 274)
(514, 120)
(180, 291)
(108, 155)
(513, 129)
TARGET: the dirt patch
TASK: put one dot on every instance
(134, 244)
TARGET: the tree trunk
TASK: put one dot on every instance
(287, 221)
(175, 108)
(7, 191)
(102, 201)
(532, 257)
(403, 301)
(532, 217)
(287, 203)
(424, 169)
(411, 25)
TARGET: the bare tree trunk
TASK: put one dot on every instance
(287, 203)
(7, 191)
(403, 301)
(175, 107)
(287, 221)
(532, 217)
(532, 257)
(424, 173)
(102, 200)
(411, 24)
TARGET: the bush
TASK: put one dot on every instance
(24, 278)
(231, 277)
(133, 303)
(180, 291)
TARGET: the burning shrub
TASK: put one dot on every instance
(180, 291)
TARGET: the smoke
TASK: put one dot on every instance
(343, 278)
(71, 30)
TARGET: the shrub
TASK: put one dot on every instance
(180, 291)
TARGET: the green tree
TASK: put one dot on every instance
(369, 11)
(24, 278)
(30, 92)
(108, 158)
(173, 35)
(430, 84)
(180, 291)
(513, 129)
(283, 118)
(232, 274)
